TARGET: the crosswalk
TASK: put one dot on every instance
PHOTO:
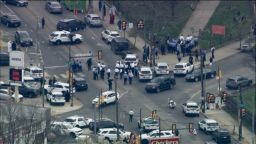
(64, 76)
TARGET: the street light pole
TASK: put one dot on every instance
(69, 73)
(240, 113)
(117, 118)
(202, 76)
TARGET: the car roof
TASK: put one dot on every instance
(130, 56)
(145, 68)
(181, 63)
(235, 77)
(56, 92)
(34, 68)
(74, 117)
(210, 121)
(162, 64)
(61, 32)
(66, 20)
(22, 32)
(61, 83)
(120, 39)
(54, 2)
(113, 32)
(191, 103)
(94, 15)
(107, 129)
(79, 79)
(108, 92)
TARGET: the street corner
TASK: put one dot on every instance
(56, 110)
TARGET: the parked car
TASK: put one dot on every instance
(80, 84)
(4, 59)
(110, 134)
(145, 138)
(107, 97)
(76, 121)
(19, 3)
(162, 68)
(208, 125)
(148, 124)
(196, 74)
(53, 7)
(145, 73)
(70, 25)
(131, 58)
(104, 123)
(55, 97)
(23, 38)
(59, 86)
(61, 37)
(66, 129)
(93, 20)
(5, 94)
(120, 46)
(222, 136)
(29, 89)
(235, 82)
(109, 35)
(160, 83)
(10, 20)
(191, 108)
(183, 68)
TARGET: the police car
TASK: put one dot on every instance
(106, 97)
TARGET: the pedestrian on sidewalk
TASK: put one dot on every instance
(178, 57)
(156, 52)
(196, 55)
(9, 45)
(100, 5)
(110, 84)
(210, 60)
(190, 59)
(121, 72)
(125, 78)
(112, 12)
(131, 113)
(14, 46)
(212, 51)
(43, 22)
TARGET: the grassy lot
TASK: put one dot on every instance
(229, 14)
(159, 20)
(247, 97)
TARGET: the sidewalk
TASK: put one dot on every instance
(199, 19)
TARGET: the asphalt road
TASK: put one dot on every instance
(132, 96)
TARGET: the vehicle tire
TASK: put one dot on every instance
(144, 141)
(58, 42)
(157, 90)
(212, 75)
(77, 41)
(196, 79)
(73, 135)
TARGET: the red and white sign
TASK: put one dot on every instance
(218, 29)
(172, 140)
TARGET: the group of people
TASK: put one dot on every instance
(99, 70)
(77, 66)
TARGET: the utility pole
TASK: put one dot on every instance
(240, 114)
(42, 87)
(117, 118)
(219, 75)
(140, 124)
(202, 76)
(69, 72)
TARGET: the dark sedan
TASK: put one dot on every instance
(23, 38)
(80, 84)
(10, 20)
(19, 3)
(160, 83)
(70, 25)
(235, 82)
(196, 74)
(105, 123)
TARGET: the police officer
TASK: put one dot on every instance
(110, 84)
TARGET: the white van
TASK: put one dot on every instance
(34, 71)
(56, 97)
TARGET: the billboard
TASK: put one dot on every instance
(171, 140)
(218, 29)
(17, 59)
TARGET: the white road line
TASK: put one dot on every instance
(64, 76)
(57, 77)
(9, 9)
(53, 67)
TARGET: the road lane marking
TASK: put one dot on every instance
(54, 67)
(57, 77)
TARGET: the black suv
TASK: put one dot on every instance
(222, 136)
(23, 38)
(104, 123)
(10, 20)
(80, 84)
(70, 25)
(29, 89)
(161, 83)
(120, 46)
(235, 82)
(18, 3)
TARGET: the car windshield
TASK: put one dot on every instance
(212, 124)
(12, 16)
(57, 95)
(33, 85)
(149, 121)
(96, 18)
(130, 59)
(69, 120)
(162, 67)
(145, 72)
(81, 82)
(37, 71)
(224, 133)
(155, 80)
(114, 35)
(24, 35)
(231, 80)
(197, 71)
(123, 45)
(178, 66)
(192, 106)
(69, 126)
(53, 35)
(55, 5)
(3, 92)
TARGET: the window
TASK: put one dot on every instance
(80, 119)
(63, 35)
(112, 132)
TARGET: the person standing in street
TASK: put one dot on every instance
(9, 45)
(125, 78)
(89, 64)
(116, 72)
(108, 72)
(130, 75)
(196, 55)
(210, 60)
(43, 22)
(212, 51)
(110, 84)
(14, 46)
(131, 113)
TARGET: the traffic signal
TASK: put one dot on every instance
(242, 112)
(124, 25)
(99, 54)
(15, 74)
(140, 24)
(210, 98)
(190, 127)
